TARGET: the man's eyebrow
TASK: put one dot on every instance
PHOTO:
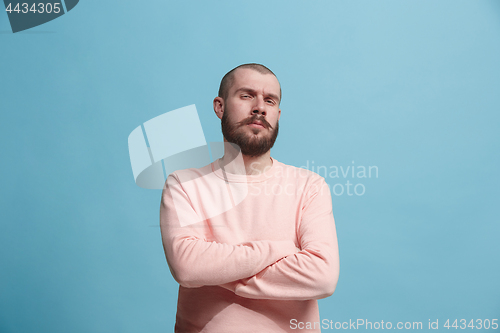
(244, 89)
(250, 90)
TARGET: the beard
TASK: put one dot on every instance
(249, 144)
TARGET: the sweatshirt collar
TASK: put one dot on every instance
(235, 178)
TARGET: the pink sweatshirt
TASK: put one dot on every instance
(232, 243)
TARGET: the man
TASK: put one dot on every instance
(250, 240)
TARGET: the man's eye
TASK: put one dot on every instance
(270, 101)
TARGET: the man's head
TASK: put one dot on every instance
(228, 79)
(248, 106)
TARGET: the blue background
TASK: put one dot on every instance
(411, 87)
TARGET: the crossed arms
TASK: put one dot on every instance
(263, 269)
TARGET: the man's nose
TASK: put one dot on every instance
(259, 107)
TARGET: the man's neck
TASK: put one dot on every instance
(239, 164)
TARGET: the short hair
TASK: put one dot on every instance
(228, 79)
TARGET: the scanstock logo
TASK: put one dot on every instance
(174, 141)
(28, 14)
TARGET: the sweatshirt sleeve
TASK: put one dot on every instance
(311, 273)
(196, 262)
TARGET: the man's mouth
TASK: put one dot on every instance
(257, 124)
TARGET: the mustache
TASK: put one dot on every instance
(253, 118)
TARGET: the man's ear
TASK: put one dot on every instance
(279, 114)
(219, 106)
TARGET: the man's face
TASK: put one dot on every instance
(251, 111)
